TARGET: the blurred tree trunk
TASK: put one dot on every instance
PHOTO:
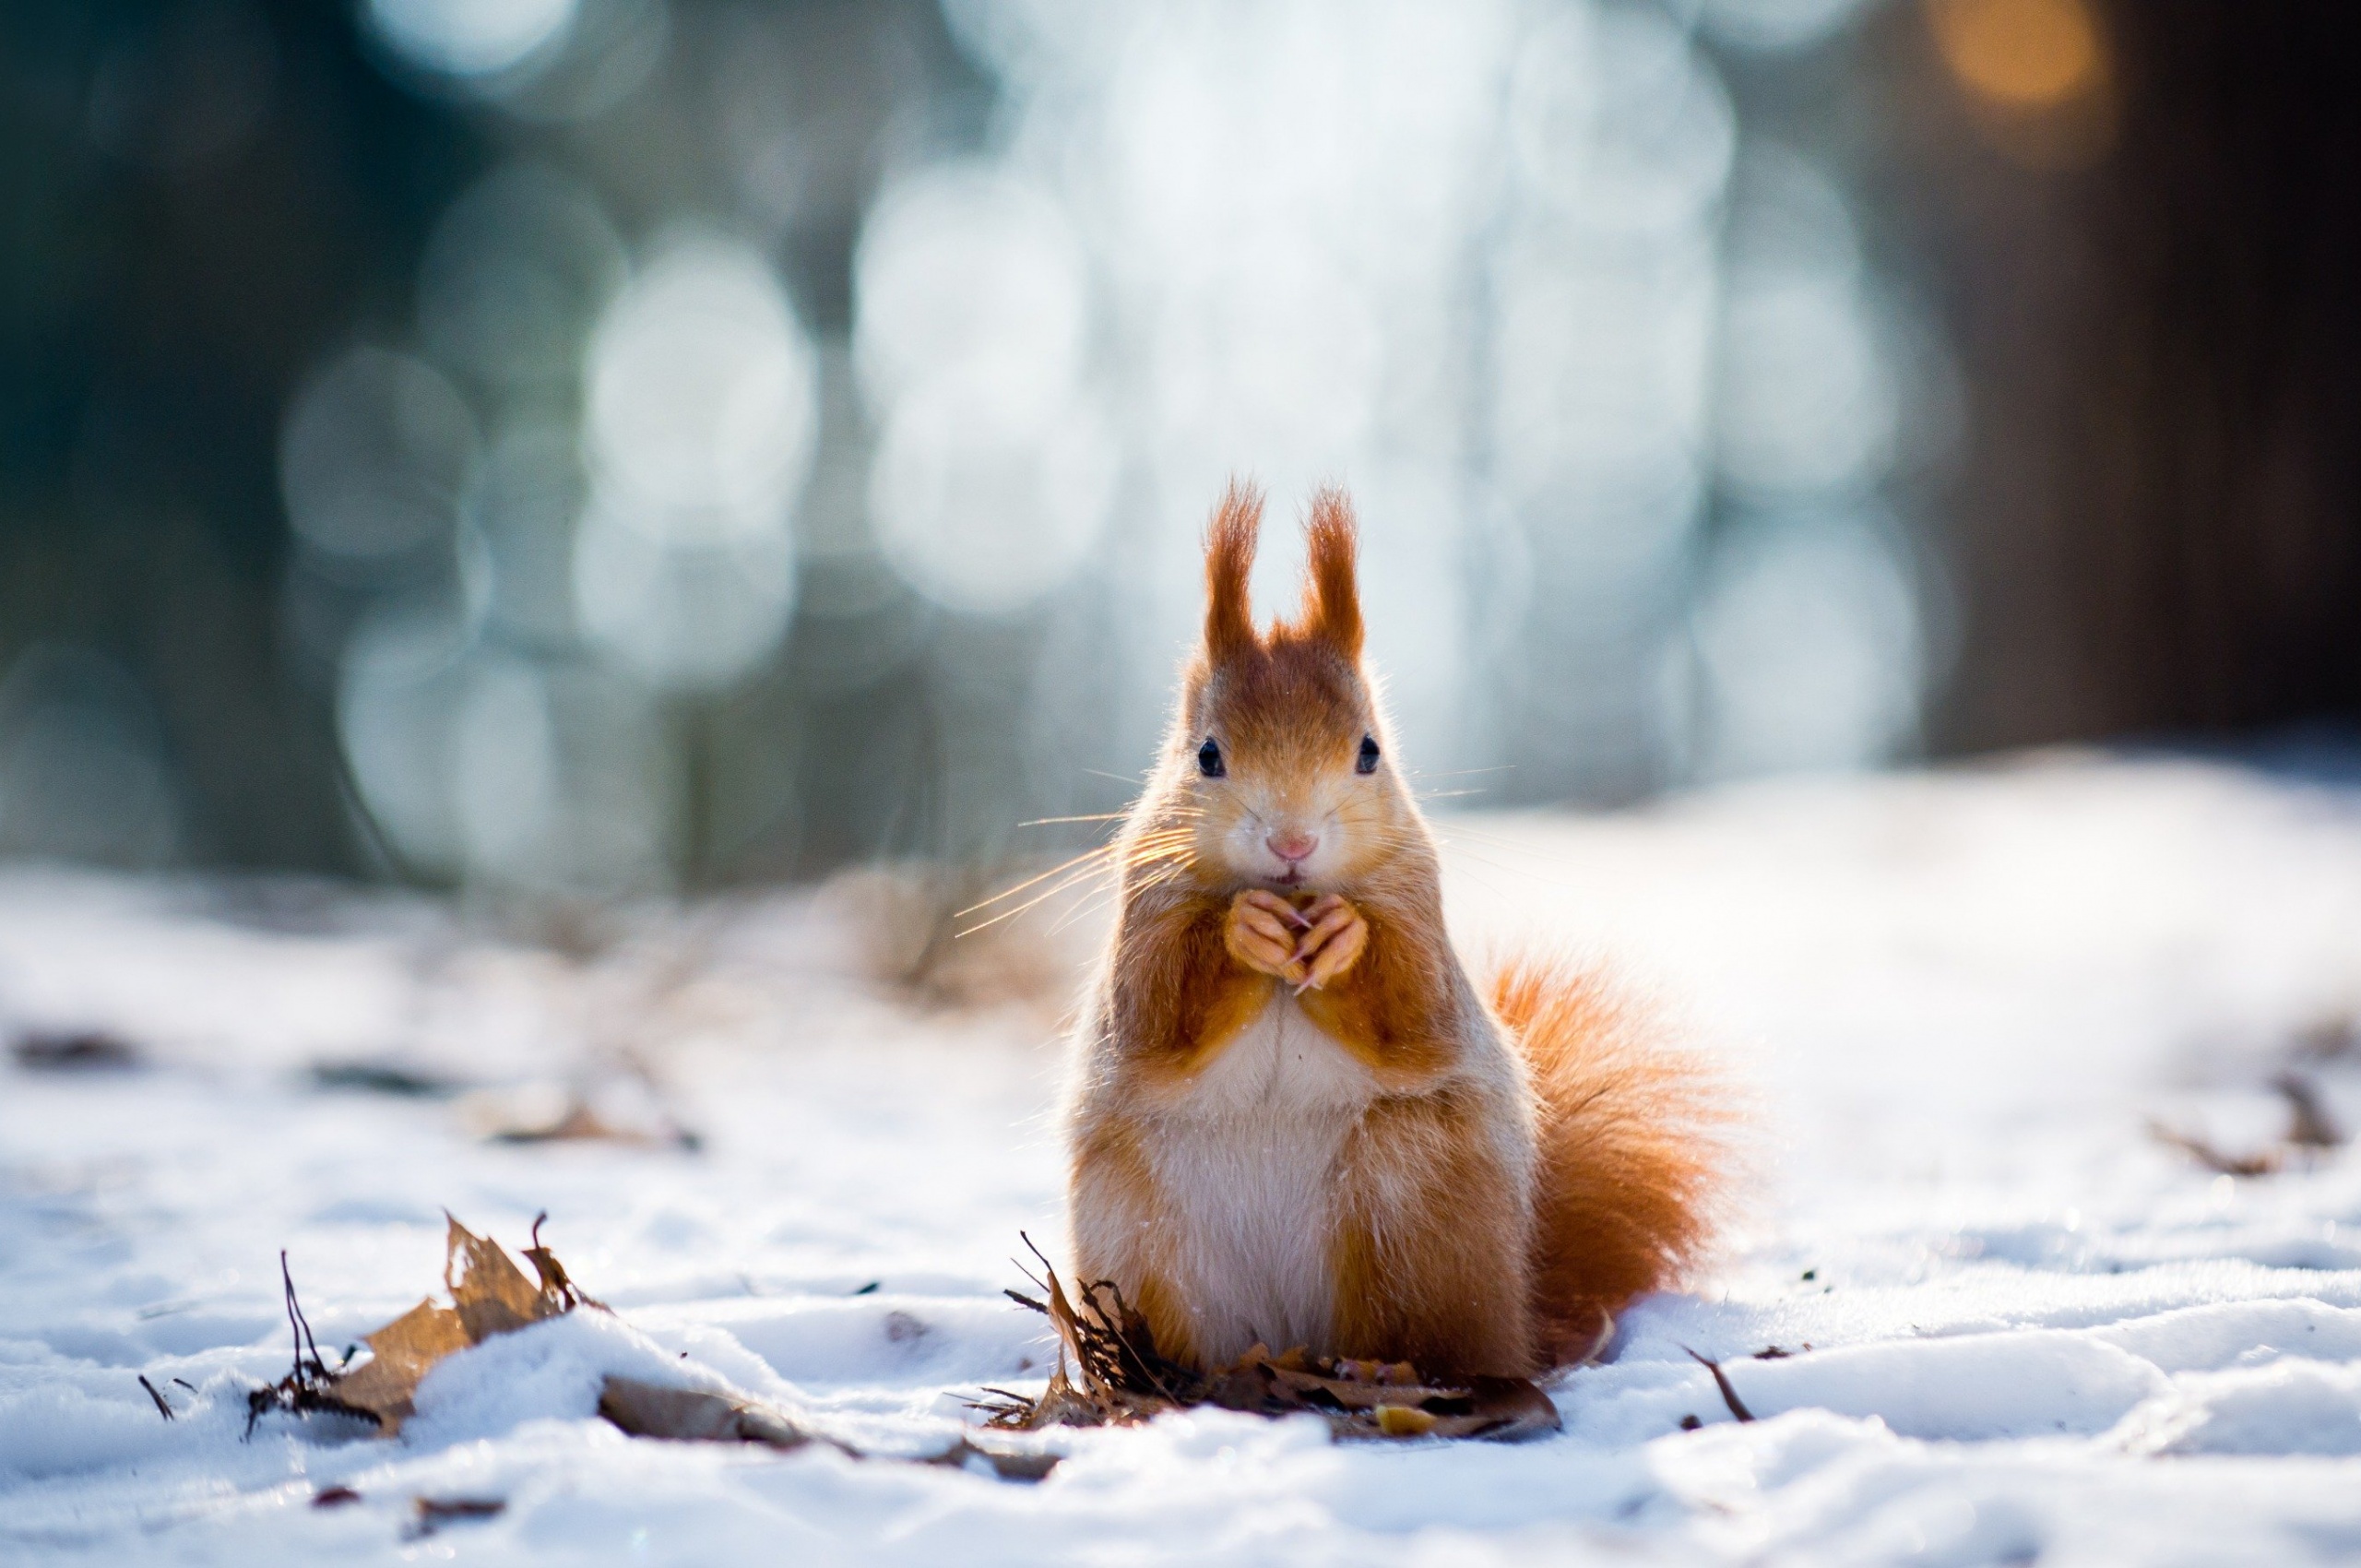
(2157, 525)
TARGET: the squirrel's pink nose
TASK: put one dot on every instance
(1292, 846)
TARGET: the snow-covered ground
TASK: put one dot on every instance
(2020, 1328)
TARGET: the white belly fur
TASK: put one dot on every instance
(1246, 1158)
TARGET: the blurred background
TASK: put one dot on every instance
(590, 447)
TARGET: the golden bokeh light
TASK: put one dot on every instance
(2020, 54)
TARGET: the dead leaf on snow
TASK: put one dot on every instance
(1120, 1377)
(556, 1286)
(529, 1117)
(488, 1291)
(490, 1295)
(431, 1514)
(693, 1415)
(1405, 1420)
(1003, 1464)
(401, 1353)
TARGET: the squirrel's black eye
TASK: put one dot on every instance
(1367, 762)
(1209, 759)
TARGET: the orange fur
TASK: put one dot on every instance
(1183, 997)
(1397, 1007)
(1333, 609)
(1296, 1118)
(1420, 1282)
(1631, 1144)
(1230, 562)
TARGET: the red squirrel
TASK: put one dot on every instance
(1297, 1121)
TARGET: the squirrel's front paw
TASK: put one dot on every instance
(1261, 932)
(1335, 941)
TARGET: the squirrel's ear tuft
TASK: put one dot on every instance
(1229, 561)
(1331, 609)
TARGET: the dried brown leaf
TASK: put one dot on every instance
(1009, 1467)
(1403, 1420)
(1110, 1372)
(431, 1514)
(402, 1353)
(577, 1124)
(1375, 1372)
(691, 1415)
(556, 1285)
(490, 1293)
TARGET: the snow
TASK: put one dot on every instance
(2016, 1326)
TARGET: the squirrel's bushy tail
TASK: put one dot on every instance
(1634, 1147)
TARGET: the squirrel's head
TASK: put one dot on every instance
(1277, 765)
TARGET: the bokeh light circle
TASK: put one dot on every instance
(680, 614)
(375, 455)
(976, 274)
(703, 403)
(469, 38)
(514, 274)
(981, 514)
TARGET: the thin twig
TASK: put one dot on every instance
(1721, 1381)
(299, 1325)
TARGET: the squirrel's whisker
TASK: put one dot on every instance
(1086, 855)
